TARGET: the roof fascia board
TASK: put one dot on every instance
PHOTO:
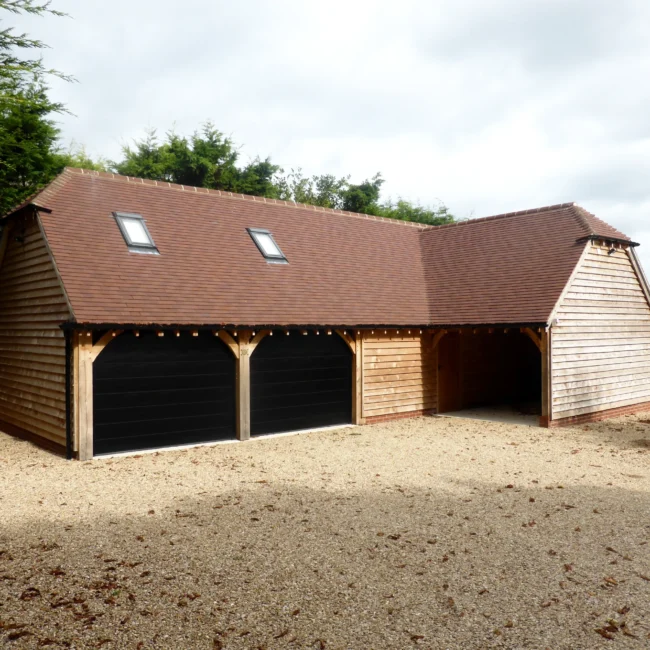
(54, 264)
(638, 269)
(567, 286)
(615, 240)
(75, 325)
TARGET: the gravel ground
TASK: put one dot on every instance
(422, 533)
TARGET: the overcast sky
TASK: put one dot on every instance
(487, 105)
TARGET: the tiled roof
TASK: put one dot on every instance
(344, 268)
(509, 268)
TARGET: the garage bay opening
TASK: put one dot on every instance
(490, 374)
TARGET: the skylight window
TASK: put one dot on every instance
(266, 244)
(135, 233)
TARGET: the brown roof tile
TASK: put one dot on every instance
(344, 268)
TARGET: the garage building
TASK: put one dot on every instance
(137, 314)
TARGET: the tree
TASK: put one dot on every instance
(363, 197)
(76, 156)
(28, 156)
(207, 159)
(18, 73)
(407, 211)
(330, 192)
(325, 191)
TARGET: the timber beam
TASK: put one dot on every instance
(348, 339)
(436, 338)
(532, 336)
(98, 347)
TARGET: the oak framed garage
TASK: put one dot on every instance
(137, 314)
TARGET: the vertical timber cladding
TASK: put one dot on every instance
(300, 381)
(399, 373)
(32, 345)
(601, 338)
(156, 391)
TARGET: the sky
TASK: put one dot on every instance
(489, 106)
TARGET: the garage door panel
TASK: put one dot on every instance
(158, 391)
(160, 412)
(135, 441)
(312, 364)
(153, 397)
(321, 399)
(156, 384)
(281, 383)
(288, 421)
(300, 382)
(142, 427)
(125, 370)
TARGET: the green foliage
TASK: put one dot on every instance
(76, 156)
(407, 211)
(325, 191)
(363, 197)
(207, 159)
(18, 73)
(28, 156)
(330, 192)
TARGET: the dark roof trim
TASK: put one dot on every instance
(21, 207)
(615, 240)
(221, 326)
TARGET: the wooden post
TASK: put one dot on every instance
(75, 392)
(356, 347)
(244, 386)
(85, 396)
(357, 382)
(547, 403)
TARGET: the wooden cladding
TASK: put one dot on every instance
(32, 346)
(399, 373)
(601, 340)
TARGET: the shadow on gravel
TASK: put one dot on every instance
(275, 566)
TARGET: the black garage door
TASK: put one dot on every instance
(300, 382)
(156, 391)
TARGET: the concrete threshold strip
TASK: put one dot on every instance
(283, 434)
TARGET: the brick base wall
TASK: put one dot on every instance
(595, 417)
(399, 416)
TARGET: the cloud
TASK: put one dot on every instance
(489, 106)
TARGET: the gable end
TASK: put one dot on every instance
(601, 336)
(32, 345)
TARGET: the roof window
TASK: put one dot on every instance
(135, 233)
(266, 244)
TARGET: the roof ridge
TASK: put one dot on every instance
(504, 215)
(133, 180)
(48, 190)
(579, 214)
(595, 227)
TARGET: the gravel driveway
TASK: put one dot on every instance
(422, 533)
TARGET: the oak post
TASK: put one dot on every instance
(357, 381)
(244, 386)
(75, 392)
(545, 350)
(85, 399)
